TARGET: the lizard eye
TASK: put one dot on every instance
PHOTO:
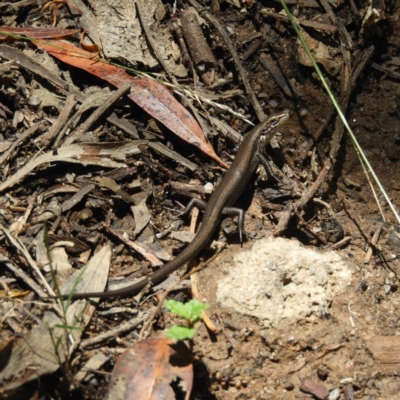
(274, 122)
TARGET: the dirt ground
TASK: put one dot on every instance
(346, 348)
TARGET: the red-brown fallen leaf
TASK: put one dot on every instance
(6, 33)
(150, 95)
(152, 369)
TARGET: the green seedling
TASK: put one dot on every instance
(191, 312)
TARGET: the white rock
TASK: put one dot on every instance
(279, 279)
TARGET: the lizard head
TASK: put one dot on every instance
(271, 124)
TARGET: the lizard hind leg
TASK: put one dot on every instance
(240, 224)
(192, 203)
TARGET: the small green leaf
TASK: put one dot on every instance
(191, 310)
(180, 333)
(196, 308)
(178, 308)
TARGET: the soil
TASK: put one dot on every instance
(347, 349)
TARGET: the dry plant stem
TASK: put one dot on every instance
(251, 49)
(360, 64)
(284, 220)
(302, 223)
(20, 4)
(21, 274)
(224, 128)
(76, 198)
(386, 71)
(309, 24)
(326, 205)
(150, 38)
(166, 293)
(187, 189)
(28, 133)
(309, 192)
(166, 316)
(194, 37)
(266, 205)
(204, 314)
(122, 329)
(374, 241)
(13, 324)
(110, 184)
(365, 163)
(187, 103)
(346, 91)
(26, 62)
(308, 144)
(243, 74)
(179, 90)
(60, 122)
(186, 60)
(344, 242)
(198, 46)
(62, 86)
(347, 86)
(20, 246)
(114, 97)
(344, 35)
(356, 13)
(22, 222)
(155, 262)
(272, 67)
(55, 224)
(194, 277)
(195, 215)
(173, 155)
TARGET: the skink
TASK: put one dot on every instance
(233, 183)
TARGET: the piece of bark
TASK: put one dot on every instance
(386, 352)
(142, 216)
(308, 385)
(270, 65)
(83, 153)
(60, 122)
(198, 47)
(173, 155)
(29, 132)
(188, 190)
(94, 116)
(76, 198)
